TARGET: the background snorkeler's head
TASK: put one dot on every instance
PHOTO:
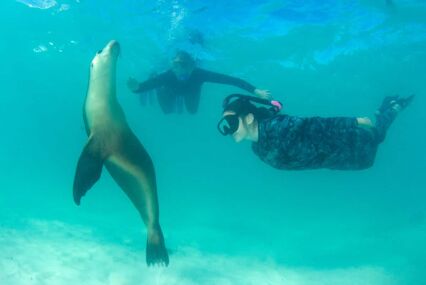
(183, 64)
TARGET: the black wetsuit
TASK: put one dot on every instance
(170, 88)
(295, 143)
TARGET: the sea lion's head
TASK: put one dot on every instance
(106, 58)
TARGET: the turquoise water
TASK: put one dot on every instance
(227, 217)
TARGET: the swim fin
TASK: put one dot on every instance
(395, 102)
(404, 102)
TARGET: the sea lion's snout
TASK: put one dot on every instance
(114, 47)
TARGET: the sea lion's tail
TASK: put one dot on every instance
(88, 171)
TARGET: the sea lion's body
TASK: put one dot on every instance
(113, 144)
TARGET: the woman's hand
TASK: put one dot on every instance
(264, 94)
(132, 84)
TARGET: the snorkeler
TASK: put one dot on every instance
(183, 82)
(297, 143)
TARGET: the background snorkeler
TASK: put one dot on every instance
(183, 82)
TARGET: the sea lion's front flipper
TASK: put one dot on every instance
(88, 171)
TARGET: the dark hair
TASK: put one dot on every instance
(242, 107)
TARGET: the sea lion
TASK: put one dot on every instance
(112, 143)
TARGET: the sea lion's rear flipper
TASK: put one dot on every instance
(156, 252)
(133, 170)
(88, 171)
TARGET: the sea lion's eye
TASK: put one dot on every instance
(99, 51)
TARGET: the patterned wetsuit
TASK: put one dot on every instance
(295, 143)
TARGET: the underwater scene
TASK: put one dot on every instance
(122, 162)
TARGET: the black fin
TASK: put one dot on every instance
(388, 102)
(392, 101)
(88, 171)
(404, 102)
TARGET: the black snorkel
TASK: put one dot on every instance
(232, 120)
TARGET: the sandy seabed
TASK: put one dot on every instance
(53, 252)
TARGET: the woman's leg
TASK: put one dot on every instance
(365, 122)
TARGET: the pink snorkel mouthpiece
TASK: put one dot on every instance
(276, 104)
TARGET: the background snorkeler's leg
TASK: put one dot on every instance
(192, 101)
(179, 104)
(387, 113)
(146, 98)
(167, 100)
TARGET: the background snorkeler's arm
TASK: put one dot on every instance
(209, 76)
(150, 83)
